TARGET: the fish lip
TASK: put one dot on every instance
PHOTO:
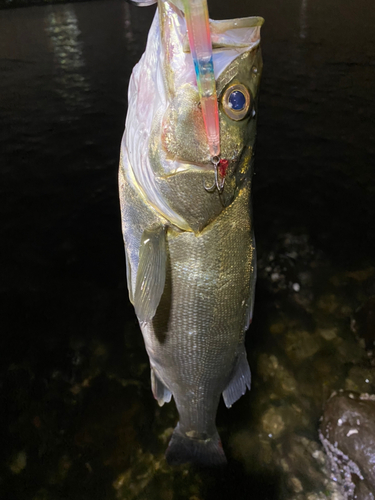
(207, 165)
(190, 165)
(183, 166)
(186, 167)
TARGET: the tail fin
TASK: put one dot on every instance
(205, 452)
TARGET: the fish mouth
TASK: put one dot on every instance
(204, 166)
(187, 166)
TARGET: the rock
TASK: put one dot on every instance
(360, 379)
(328, 303)
(273, 422)
(362, 492)
(301, 345)
(347, 432)
(361, 275)
(328, 333)
(18, 463)
(269, 367)
(303, 463)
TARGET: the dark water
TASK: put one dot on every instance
(78, 418)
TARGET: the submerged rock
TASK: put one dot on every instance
(347, 432)
(18, 463)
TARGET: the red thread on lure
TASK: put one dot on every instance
(222, 167)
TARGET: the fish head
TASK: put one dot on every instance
(178, 163)
(238, 66)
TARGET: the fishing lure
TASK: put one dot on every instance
(198, 26)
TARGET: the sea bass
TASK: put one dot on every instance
(190, 249)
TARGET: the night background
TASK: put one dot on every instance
(78, 419)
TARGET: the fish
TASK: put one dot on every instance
(188, 227)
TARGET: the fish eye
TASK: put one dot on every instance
(236, 101)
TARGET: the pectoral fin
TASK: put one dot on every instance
(151, 273)
(240, 380)
(160, 392)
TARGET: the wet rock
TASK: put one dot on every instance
(348, 350)
(362, 492)
(302, 461)
(269, 367)
(62, 470)
(348, 435)
(360, 379)
(300, 345)
(134, 480)
(253, 449)
(328, 333)
(273, 422)
(150, 477)
(18, 463)
(282, 268)
(328, 303)
(362, 274)
(277, 328)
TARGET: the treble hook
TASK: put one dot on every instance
(217, 184)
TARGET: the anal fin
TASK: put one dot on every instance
(240, 380)
(160, 392)
(151, 273)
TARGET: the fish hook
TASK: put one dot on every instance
(217, 184)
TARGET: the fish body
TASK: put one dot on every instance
(190, 251)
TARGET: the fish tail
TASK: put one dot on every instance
(203, 452)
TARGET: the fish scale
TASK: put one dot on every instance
(224, 273)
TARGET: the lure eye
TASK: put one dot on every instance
(236, 101)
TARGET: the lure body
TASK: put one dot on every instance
(198, 28)
(190, 253)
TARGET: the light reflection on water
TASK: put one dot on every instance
(128, 27)
(303, 19)
(64, 40)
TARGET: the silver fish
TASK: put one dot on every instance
(190, 250)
